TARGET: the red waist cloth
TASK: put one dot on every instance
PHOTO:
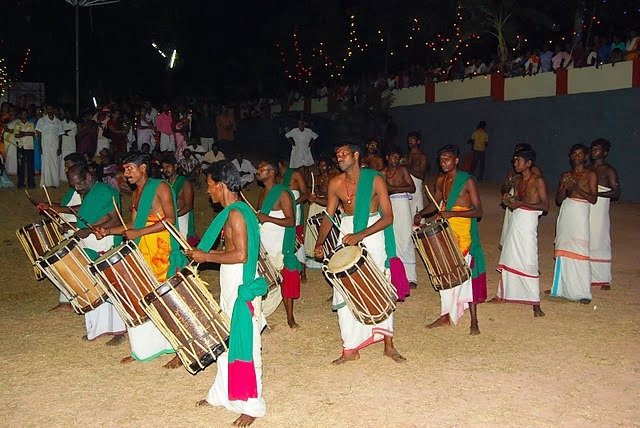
(290, 284)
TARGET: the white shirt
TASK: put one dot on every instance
(69, 140)
(209, 157)
(301, 152)
(482, 69)
(198, 149)
(245, 167)
(50, 129)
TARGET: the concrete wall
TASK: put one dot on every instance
(551, 125)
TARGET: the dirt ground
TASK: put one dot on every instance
(577, 366)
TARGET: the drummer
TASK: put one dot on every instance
(278, 233)
(318, 202)
(365, 218)
(151, 198)
(98, 209)
(237, 390)
(183, 189)
(459, 200)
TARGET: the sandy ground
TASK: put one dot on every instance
(577, 366)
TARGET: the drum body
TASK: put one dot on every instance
(273, 298)
(185, 312)
(67, 266)
(441, 255)
(333, 238)
(125, 277)
(38, 238)
(368, 294)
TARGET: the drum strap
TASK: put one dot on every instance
(177, 187)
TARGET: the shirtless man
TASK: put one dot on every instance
(154, 197)
(599, 222)
(183, 189)
(577, 190)
(294, 180)
(342, 189)
(401, 186)
(373, 160)
(275, 238)
(520, 278)
(460, 204)
(418, 165)
(318, 195)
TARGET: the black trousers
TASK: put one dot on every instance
(26, 166)
(478, 165)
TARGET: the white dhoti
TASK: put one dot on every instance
(183, 224)
(272, 236)
(455, 300)
(416, 202)
(300, 253)
(518, 265)
(505, 222)
(600, 241)
(230, 280)
(402, 229)
(11, 162)
(354, 334)
(167, 143)
(50, 172)
(147, 343)
(572, 273)
(104, 319)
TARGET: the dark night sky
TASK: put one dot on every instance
(224, 47)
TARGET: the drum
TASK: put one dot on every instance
(189, 317)
(273, 298)
(38, 238)
(333, 238)
(441, 255)
(125, 277)
(67, 266)
(368, 294)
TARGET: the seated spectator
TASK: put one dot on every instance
(190, 167)
(481, 68)
(632, 47)
(604, 50)
(561, 59)
(592, 57)
(545, 59)
(532, 64)
(212, 156)
(197, 149)
(618, 49)
(578, 55)
(470, 69)
(246, 169)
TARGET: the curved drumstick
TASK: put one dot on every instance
(247, 202)
(53, 215)
(115, 206)
(313, 183)
(432, 198)
(175, 233)
(46, 192)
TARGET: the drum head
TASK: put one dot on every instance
(344, 258)
(60, 250)
(113, 256)
(39, 223)
(271, 301)
(431, 229)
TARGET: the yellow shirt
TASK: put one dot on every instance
(480, 139)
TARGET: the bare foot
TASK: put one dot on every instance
(474, 330)
(584, 301)
(127, 360)
(62, 307)
(496, 300)
(303, 280)
(346, 357)
(243, 421)
(440, 322)
(116, 340)
(85, 338)
(173, 364)
(547, 292)
(202, 403)
(293, 324)
(413, 285)
(394, 355)
(537, 311)
(605, 287)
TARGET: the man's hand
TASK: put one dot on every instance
(318, 252)
(101, 232)
(83, 233)
(197, 256)
(417, 218)
(352, 239)
(131, 234)
(445, 215)
(312, 197)
(262, 218)
(43, 206)
(59, 152)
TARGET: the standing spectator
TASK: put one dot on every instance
(226, 127)
(246, 169)
(480, 141)
(87, 138)
(37, 144)
(11, 161)
(164, 125)
(204, 126)
(181, 130)
(68, 141)
(545, 59)
(117, 135)
(24, 135)
(301, 139)
(50, 130)
(144, 129)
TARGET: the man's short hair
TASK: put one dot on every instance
(81, 171)
(169, 158)
(224, 172)
(482, 124)
(449, 148)
(138, 158)
(75, 158)
(414, 134)
(578, 147)
(526, 154)
(393, 150)
(604, 143)
(521, 146)
(353, 147)
(274, 165)
(373, 140)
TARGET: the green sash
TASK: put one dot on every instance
(286, 178)
(177, 260)
(97, 203)
(177, 187)
(289, 243)
(67, 197)
(364, 193)
(242, 377)
(476, 248)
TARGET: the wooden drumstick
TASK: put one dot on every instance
(57, 215)
(331, 219)
(115, 206)
(313, 183)
(432, 198)
(30, 198)
(74, 212)
(248, 203)
(46, 192)
(175, 233)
